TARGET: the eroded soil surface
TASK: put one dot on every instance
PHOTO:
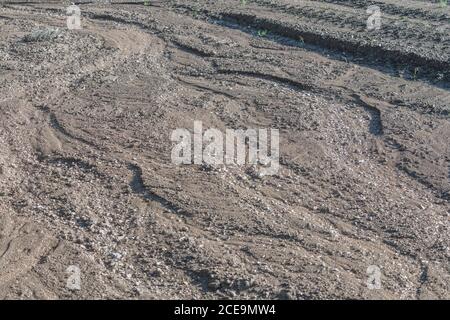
(85, 164)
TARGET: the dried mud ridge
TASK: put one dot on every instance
(87, 181)
(375, 48)
(138, 186)
(371, 53)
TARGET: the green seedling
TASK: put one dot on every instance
(262, 33)
(243, 2)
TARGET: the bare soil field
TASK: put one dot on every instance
(87, 178)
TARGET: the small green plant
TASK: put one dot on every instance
(263, 33)
(44, 34)
(243, 2)
(443, 3)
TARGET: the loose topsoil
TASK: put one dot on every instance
(85, 163)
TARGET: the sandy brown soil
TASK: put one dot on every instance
(87, 179)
